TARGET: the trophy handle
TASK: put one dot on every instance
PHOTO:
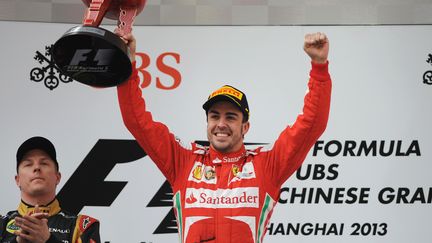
(95, 12)
(125, 20)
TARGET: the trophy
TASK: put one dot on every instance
(93, 55)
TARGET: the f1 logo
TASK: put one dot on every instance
(92, 57)
(87, 185)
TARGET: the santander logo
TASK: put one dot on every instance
(243, 197)
(232, 159)
(191, 199)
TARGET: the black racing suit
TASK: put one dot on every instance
(64, 227)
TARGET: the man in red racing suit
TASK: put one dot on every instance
(225, 193)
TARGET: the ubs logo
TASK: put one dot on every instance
(427, 76)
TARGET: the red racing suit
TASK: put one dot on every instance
(227, 197)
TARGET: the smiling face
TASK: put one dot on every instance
(225, 127)
(37, 177)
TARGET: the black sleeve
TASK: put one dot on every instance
(2, 226)
(3, 232)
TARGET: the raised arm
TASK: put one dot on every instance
(154, 137)
(290, 149)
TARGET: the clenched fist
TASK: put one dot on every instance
(316, 45)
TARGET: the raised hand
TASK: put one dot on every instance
(34, 228)
(129, 40)
(316, 45)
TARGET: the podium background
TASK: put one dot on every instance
(378, 97)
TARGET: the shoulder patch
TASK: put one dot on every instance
(85, 222)
(199, 149)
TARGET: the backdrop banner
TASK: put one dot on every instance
(367, 179)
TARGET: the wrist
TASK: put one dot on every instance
(132, 56)
(319, 60)
(320, 71)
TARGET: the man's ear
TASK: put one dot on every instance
(58, 178)
(245, 129)
(17, 181)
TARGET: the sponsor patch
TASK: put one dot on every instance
(191, 199)
(210, 173)
(246, 172)
(61, 231)
(243, 197)
(228, 159)
(85, 222)
(11, 227)
(227, 91)
(197, 172)
(235, 170)
(232, 159)
(201, 173)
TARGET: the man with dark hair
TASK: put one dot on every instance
(225, 193)
(39, 218)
